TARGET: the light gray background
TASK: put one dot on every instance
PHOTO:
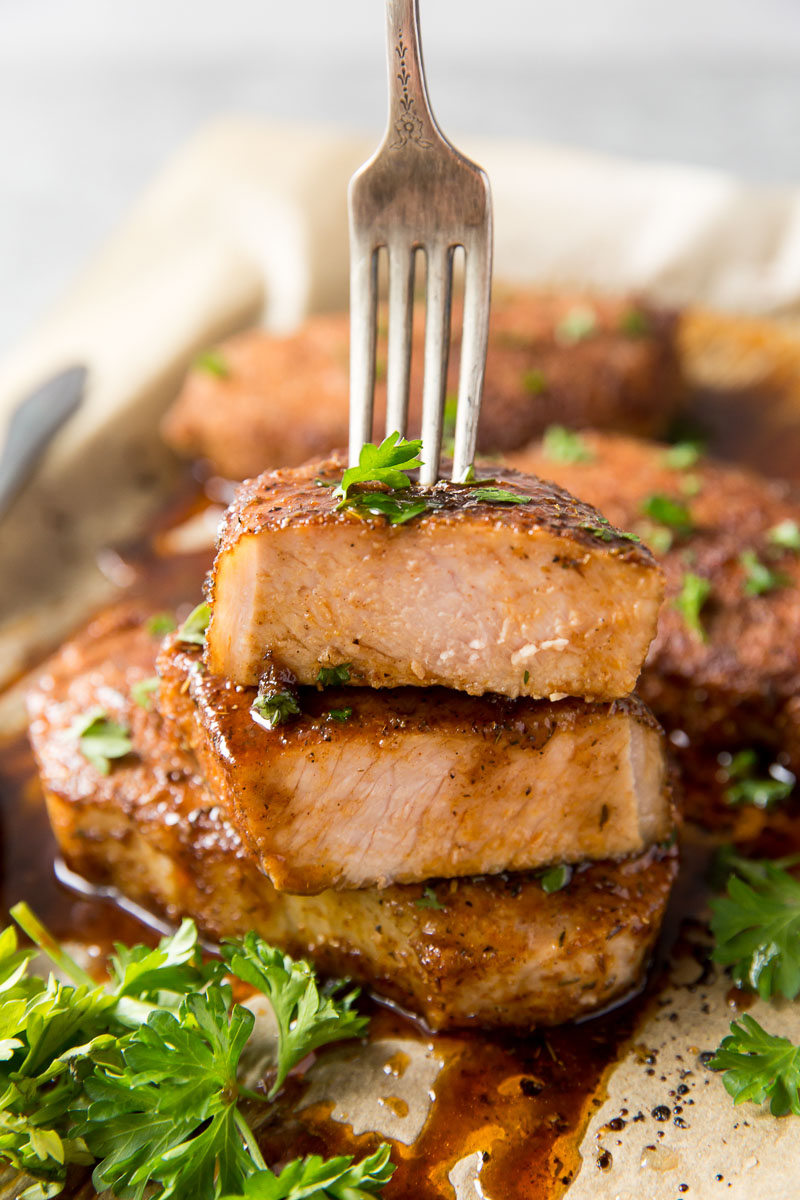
(96, 94)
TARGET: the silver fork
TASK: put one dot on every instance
(417, 192)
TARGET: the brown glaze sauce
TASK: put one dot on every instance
(524, 1102)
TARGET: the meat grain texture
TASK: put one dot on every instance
(540, 599)
(272, 401)
(420, 782)
(493, 951)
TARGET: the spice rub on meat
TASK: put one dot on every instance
(369, 787)
(725, 665)
(541, 598)
(262, 401)
(491, 951)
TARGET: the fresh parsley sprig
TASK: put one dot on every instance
(140, 1077)
(100, 739)
(387, 463)
(193, 629)
(756, 928)
(759, 1066)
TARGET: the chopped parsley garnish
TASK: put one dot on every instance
(694, 592)
(756, 928)
(526, 677)
(142, 691)
(141, 1078)
(634, 323)
(603, 529)
(668, 512)
(334, 676)
(193, 629)
(100, 739)
(271, 709)
(579, 323)
(340, 714)
(691, 484)
(213, 363)
(496, 495)
(429, 899)
(449, 424)
(534, 381)
(160, 624)
(747, 788)
(387, 463)
(759, 578)
(682, 455)
(554, 879)
(786, 535)
(396, 511)
(759, 1066)
(565, 446)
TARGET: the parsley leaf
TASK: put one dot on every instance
(603, 529)
(565, 446)
(193, 629)
(657, 537)
(554, 879)
(313, 1178)
(160, 624)
(100, 739)
(340, 714)
(307, 1018)
(668, 512)
(756, 927)
(429, 899)
(759, 1066)
(449, 417)
(579, 323)
(396, 511)
(534, 381)
(213, 363)
(334, 676)
(759, 579)
(167, 1112)
(786, 535)
(749, 789)
(386, 463)
(142, 691)
(274, 708)
(682, 455)
(495, 495)
(694, 592)
(634, 323)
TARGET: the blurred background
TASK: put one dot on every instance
(96, 96)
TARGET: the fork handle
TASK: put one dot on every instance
(411, 122)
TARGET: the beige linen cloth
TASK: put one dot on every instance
(248, 224)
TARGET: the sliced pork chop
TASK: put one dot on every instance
(402, 784)
(496, 951)
(734, 679)
(260, 401)
(539, 599)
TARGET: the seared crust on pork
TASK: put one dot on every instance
(539, 599)
(499, 951)
(738, 684)
(420, 782)
(276, 401)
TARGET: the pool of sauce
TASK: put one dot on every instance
(524, 1102)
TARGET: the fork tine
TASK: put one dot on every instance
(474, 339)
(437, 345)
(363, 317)
(398, 365)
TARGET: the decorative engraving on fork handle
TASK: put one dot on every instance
(408, 126)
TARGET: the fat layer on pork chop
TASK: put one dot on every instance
(492, 951)
(541, 598)
(724, 668)
(369, 787)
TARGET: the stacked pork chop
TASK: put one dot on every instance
(408, 750)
